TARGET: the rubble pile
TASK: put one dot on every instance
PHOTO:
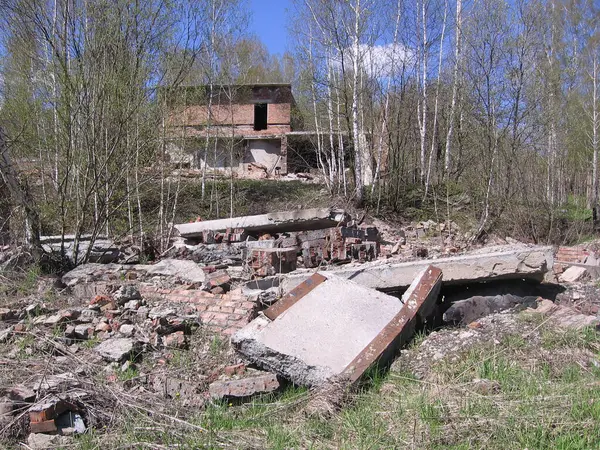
(311, 297)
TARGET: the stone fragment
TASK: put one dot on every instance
(127, 293)
(127, 329)
(6, 334)
(103, 327)
(132, 304)
(572, 274)
(39, 441)
(116, 349)
(84, 331)
(21, 393)
(564, 316)
(7, 314)
(175, 340)
(263, 383)
(466, 311)
(88, 315)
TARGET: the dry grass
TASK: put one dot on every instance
(541, 393)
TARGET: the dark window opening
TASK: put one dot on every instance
(260, 116)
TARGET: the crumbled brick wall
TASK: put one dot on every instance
(566, 255)
(221, 313)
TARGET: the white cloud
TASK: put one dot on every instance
(379, 61)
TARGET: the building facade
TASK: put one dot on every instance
(240, 130)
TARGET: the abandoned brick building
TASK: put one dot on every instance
(240, 129)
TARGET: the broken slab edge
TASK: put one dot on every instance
(294, 369)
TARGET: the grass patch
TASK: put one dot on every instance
(542, 401)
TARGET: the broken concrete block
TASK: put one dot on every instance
(183, 269)
(116, 349)
(39, 441)
(485, 265)
(84, 331)
(126, 293)
(127, 329)
(243, 388)
(278, 222)
(572, 274)
(330, 326)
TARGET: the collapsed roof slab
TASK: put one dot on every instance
(329, 327)
(492, 263)
(277, 222)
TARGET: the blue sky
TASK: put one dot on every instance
(269, 23)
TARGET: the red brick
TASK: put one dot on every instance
(228, 303)
(234, 317)
(242, 311)
(220, 322)
(244, 387)
(237, 369)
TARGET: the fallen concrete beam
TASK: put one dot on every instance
(419, 302)
(298, 220)
(329, 327)
(483, 265)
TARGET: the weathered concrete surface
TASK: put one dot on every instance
(495, 263)
(298, 220)
(320, 333)
(103, 250)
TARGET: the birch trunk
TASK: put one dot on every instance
(457, 56)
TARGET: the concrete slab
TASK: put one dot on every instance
(321, 329)
(515, 262)
(298, 220)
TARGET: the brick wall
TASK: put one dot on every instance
(220, 313)
(196, 115)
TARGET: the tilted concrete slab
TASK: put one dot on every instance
(492, 263)
(329, 326)
(298, 220)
